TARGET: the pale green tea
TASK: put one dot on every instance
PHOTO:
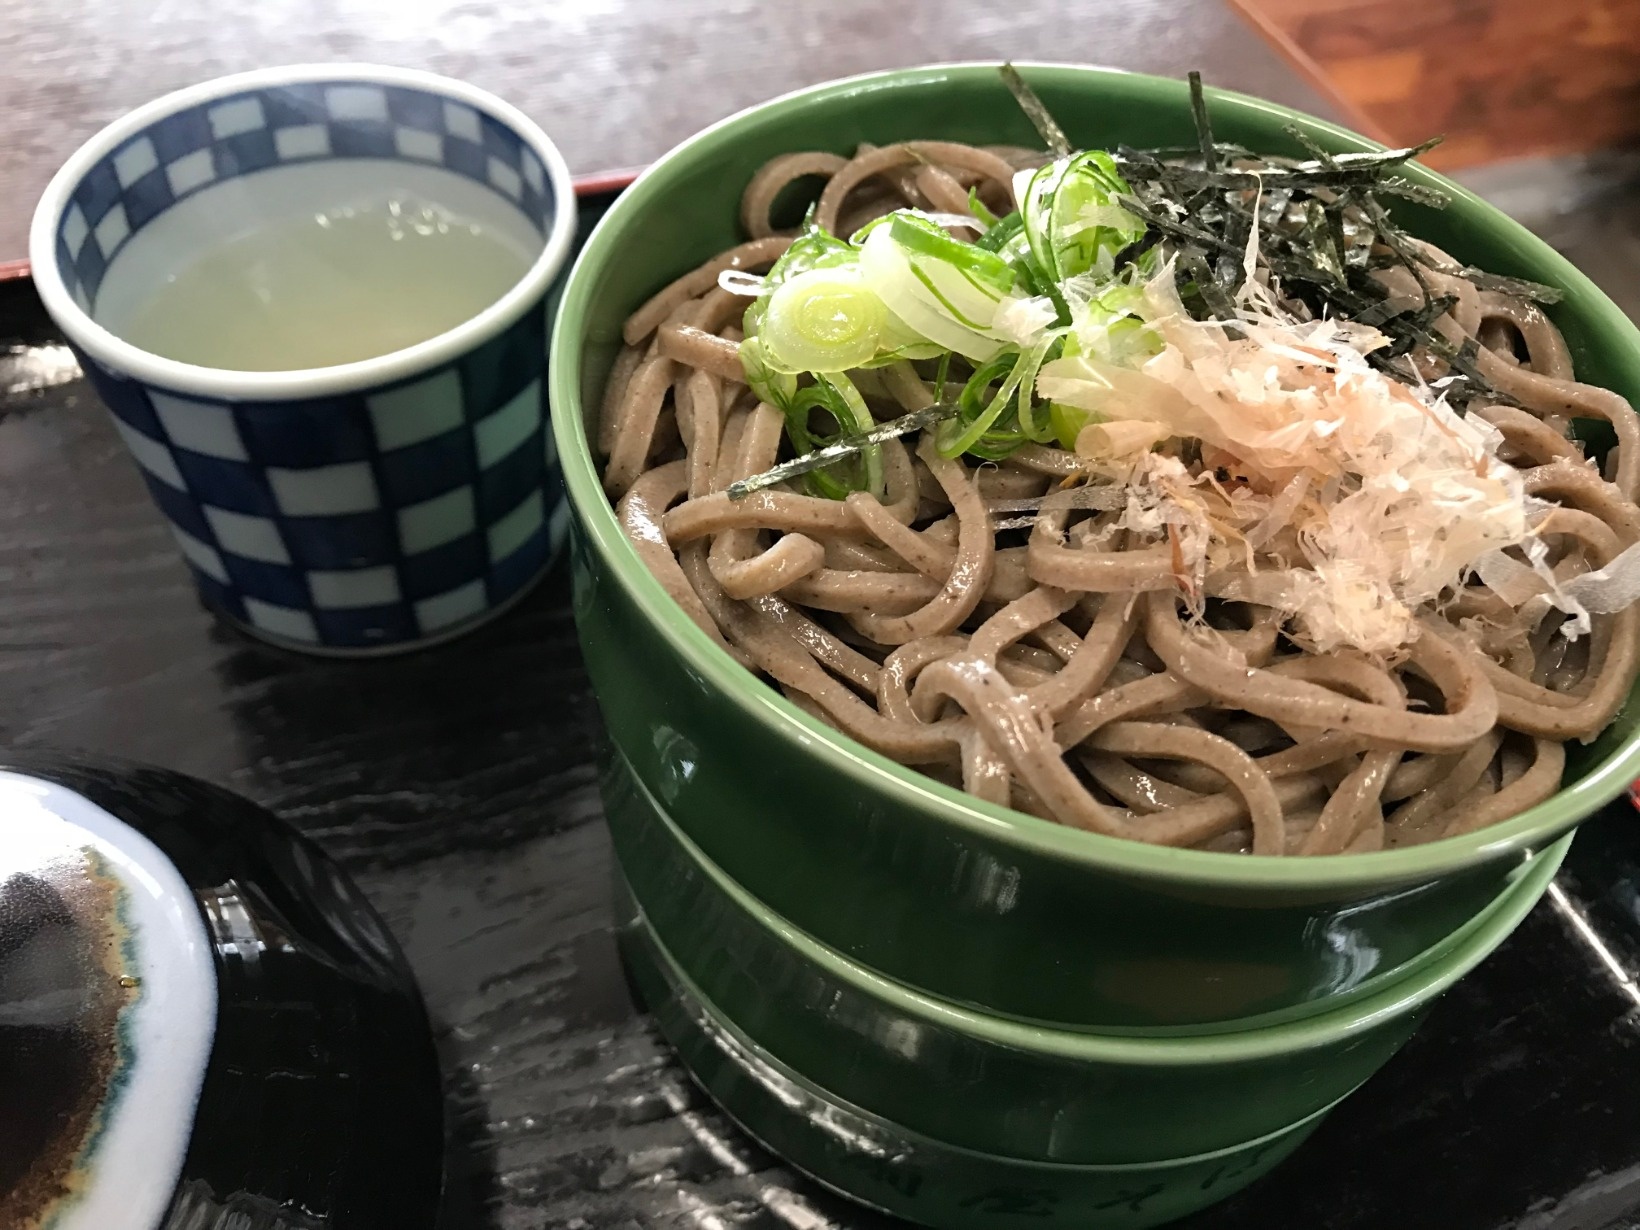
(352, 283)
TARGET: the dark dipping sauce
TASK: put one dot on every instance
(63, 985)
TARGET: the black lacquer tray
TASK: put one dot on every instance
(458, 787)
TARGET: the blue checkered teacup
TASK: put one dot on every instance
(366, 507)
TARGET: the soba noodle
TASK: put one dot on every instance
(1068, 667)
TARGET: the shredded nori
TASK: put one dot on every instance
(1053, 136)
(844, 446)
(1323, 232)
(1204, 129)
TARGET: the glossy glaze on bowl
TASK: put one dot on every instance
(973, 902)
(884, 1165)
(991, 1085)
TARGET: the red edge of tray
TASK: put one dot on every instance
(585, 185)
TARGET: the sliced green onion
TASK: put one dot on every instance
(924, 238)
(1000, 232)
(971, 404)
(829, 485)
(900, 354)
(945, 221)
(1035, 208)
(978, 209)
(997, 445)
(837, 397)
(1074, 220)
(951, 309)
(898, 341)
(1068, 422)
(1041, 432)
(871, 455)
(776, 388)
(940, 373)
(860, 236)
(822, 320)
(1086, 225)
(972, 431)
(1129, 338)
(812, 249)
(930, 299)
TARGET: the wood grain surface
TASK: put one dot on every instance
(1500, 78)
(615, 82)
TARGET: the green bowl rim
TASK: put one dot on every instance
(692, 999)
(596, 520)
(1527, 883)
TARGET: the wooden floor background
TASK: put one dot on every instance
(615, 82)
(618, 81)
(1501, 79)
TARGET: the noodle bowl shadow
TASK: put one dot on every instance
(971, 902)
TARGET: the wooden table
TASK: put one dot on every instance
(1531, 79)
(458, 786)
(616, 82)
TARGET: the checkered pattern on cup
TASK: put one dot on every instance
(353, 509)
(382, 517)
(208, 144)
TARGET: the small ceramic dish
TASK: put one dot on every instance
(203, 1022)
(973, 902)
(366, 507)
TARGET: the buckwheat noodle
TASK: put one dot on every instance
(1053, 668)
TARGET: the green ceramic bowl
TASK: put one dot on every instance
(888, 1167)
(972, 902)
(991, 1085)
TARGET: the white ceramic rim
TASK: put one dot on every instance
(121, 356)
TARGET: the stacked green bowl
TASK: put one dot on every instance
(945, 1008)
(956, 1118)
